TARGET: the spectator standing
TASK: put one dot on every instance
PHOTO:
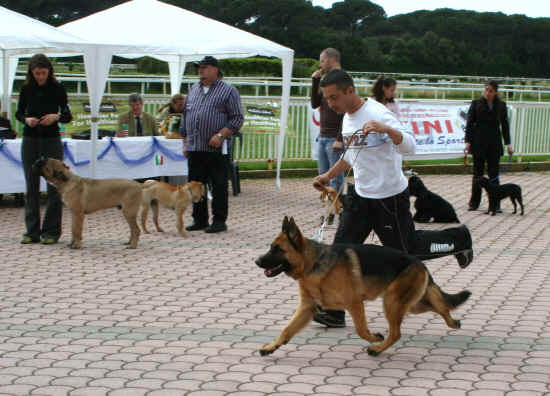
(486, 127)
(212, 113)
(42, 106)
(384, 92)
(329, 142)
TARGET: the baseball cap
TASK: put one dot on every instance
(207, 61)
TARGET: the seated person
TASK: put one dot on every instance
(6, 131)
(169, 116)
(175, 106)
(136, 122)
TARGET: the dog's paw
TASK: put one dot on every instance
(266, 351)
(458, 324)
(75, 245)
(372, 352)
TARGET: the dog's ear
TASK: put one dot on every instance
(294, 234)
(61, 176)
(285, 225)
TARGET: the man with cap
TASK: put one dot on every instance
(212, 113)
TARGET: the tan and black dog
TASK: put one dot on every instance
(173, 197)
(342, 276)
(83, 196)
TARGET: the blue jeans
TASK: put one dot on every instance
(327, 158)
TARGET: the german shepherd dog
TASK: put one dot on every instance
(342, 276)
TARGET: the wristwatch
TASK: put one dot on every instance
(219, 134)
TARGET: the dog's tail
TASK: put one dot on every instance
(455, 300)
(452, 300)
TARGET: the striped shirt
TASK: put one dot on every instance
(205, 114)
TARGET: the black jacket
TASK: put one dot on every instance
(39, 100)
(486, 127)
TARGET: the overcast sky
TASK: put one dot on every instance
(531, 8)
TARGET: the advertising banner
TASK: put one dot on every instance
(438, 128)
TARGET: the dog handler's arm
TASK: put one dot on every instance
(339, 167)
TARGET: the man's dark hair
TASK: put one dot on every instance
(493, 84)
(338, 77)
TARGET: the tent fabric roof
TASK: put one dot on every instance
(163, 29)
(20, 34)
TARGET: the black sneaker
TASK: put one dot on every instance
(329, 320)
(196, 227)
(216, 227)
(465, 258)
(472, 207)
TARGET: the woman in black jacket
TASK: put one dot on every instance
(487, 125)
(42, 104)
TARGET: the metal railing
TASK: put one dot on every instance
(529, 128)
(270, 86)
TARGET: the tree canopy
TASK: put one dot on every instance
(443, 41)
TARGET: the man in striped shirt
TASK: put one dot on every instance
(211, 115)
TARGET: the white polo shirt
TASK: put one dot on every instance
(376, 161)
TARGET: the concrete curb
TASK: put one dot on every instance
(436, 169)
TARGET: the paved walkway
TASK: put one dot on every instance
(187, 316)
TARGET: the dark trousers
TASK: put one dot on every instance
(390, 218)
(492, 158)
(209, 166)
(32, 149)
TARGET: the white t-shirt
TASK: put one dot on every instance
(375, 159)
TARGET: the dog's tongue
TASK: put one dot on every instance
(267, 272)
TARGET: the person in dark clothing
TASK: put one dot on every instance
(486, 126)
(329, 142)
(42, 105)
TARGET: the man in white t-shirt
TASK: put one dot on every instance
(379, 200)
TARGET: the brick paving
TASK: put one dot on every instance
(187, 316)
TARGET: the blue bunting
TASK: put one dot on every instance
(4, 151)
(155, 146)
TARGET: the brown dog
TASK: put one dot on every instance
(173, 197)
(342, 276)
(330, 196)
(83, 196)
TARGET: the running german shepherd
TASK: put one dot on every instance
(342, 276)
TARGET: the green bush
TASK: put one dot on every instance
(259, 66)
(149, 65)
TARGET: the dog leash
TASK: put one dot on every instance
(318, 237)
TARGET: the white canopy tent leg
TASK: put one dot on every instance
(9, 66)
(287, 76)
(177, 68)
(97, 62)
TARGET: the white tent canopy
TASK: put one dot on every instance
(174, 35)
(21, 35)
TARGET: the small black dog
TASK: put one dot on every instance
(429, 205)
(498, 192)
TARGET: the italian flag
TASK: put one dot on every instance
(159, 159)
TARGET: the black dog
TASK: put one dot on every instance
(429, 205)
(498, 192)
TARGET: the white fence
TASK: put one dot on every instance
(529, 127)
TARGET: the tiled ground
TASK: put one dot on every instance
(186, 316)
